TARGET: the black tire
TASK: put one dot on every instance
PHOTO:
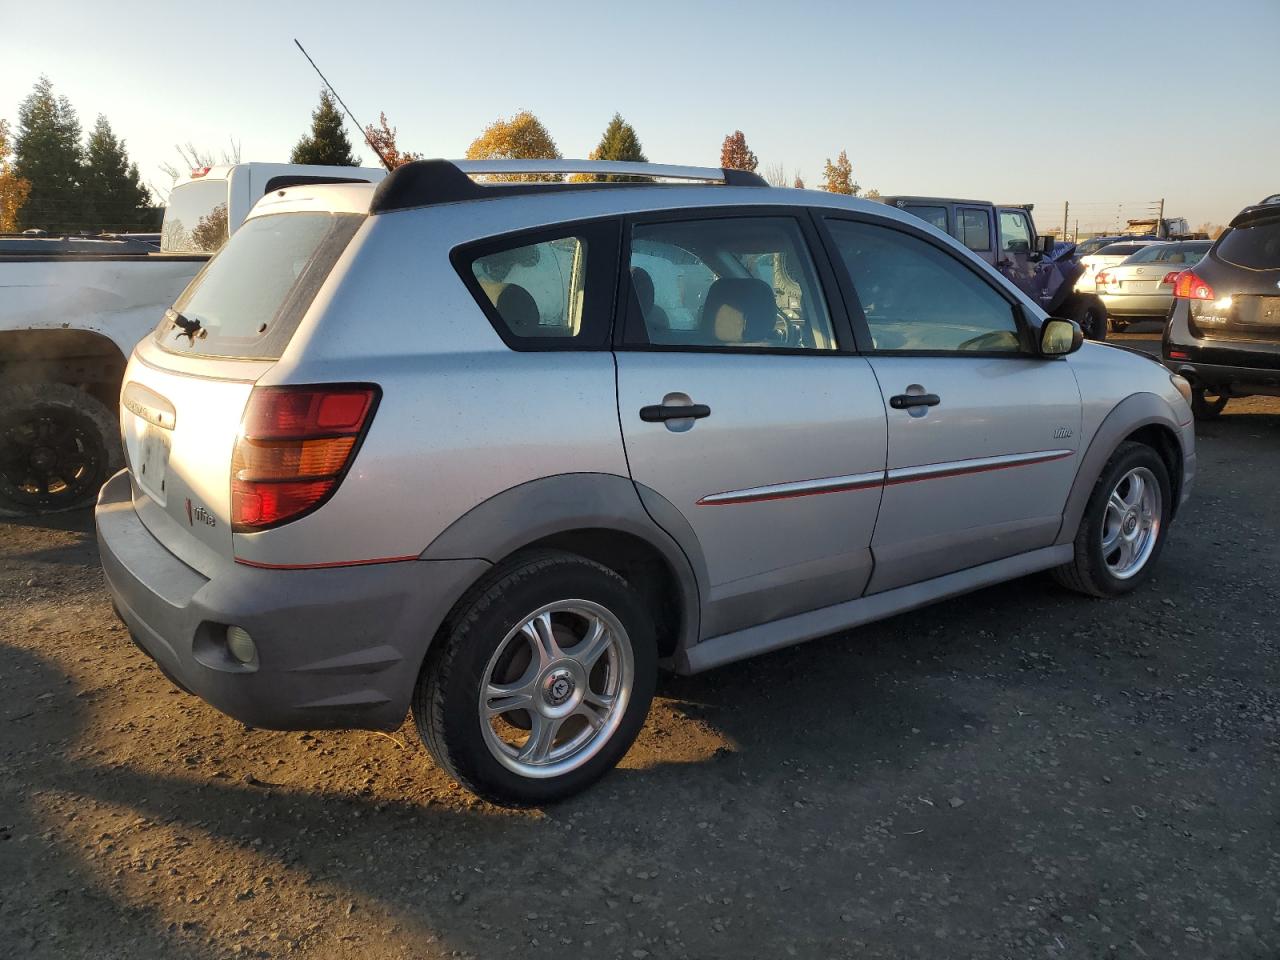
(1090, 314)
(58, 446)
(1087, 572)
(1205, 406)
(1119, 326)
(446, 699)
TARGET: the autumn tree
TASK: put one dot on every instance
(838, 177)
(523, 137)
(13, 189)
(799, 182)
(114, 195)
(734, 154)
(47, 154)
(383, 140)
(327, 143)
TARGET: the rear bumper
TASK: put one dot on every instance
(1152, 305)
(337, 647)
(1241, 367)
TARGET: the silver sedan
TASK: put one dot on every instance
(1141, 287)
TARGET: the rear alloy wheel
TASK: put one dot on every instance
(58, 446)
(1124, 525)
(1206, 405)
(1119, 326)
(542, 682)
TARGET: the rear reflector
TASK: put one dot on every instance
(1171, 277)
(295, 446)
(1179, 355)
(1191, 287)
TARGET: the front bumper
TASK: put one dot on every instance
(337, 647)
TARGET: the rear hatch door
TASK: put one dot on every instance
(188, 384)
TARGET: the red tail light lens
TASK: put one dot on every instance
(1101, 278)
(1171, 277)
(294, 448)
(1188, 285)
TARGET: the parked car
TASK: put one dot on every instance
(438, 445)
(1005, 237)
(71, 309)
(1140, 287)
(1224, 332)
(1091, 246)
(1108, 256)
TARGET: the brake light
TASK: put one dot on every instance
(1188, 285)
(294, 447)
(1171, 277)
(1101, 278)
(199, 172)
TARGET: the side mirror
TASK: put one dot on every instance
(1060, 337)
(1045, 243)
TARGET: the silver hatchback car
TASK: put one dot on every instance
(498, 452)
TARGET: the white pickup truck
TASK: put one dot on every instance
(71, 311)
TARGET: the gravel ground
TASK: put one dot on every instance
(1017, 773)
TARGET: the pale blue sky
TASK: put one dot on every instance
(1096, 103)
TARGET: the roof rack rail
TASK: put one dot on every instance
(424, 183)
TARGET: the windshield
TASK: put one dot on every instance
(249, 299)
(1256, 247)
(195, 221)
(1172, 253)
(1120, 249)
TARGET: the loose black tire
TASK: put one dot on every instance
(58, 446)
(1090, 314)
(1119, 326)
(1204, 408)
(445, 702)
(1087, 571)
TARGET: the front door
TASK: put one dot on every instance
(982, 434)
(1017, 247)
(777, 466)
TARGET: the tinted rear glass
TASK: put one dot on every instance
(1120, 249)
(1256, 247)
(249, 299)
(195, 221)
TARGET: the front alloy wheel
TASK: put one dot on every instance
(1131, 523)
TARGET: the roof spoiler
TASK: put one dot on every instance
(424, 183)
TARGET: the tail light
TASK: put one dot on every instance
(1101, 278)
(295, 446)
(1188, 285)
(1171, 277)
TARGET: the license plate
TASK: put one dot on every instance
(154, 452)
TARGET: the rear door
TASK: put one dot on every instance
(982, 434)
(187, 385)
(777, 467)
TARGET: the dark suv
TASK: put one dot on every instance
(1223, 333)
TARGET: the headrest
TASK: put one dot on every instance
(642, 284)
(740, 309)
(516, 306)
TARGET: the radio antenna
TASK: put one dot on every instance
(350, 116)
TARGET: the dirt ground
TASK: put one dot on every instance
(1018, 773)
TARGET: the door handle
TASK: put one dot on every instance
(659, 412)
(905, 401)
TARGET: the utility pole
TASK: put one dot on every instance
(1066, 205)
(1160, 232)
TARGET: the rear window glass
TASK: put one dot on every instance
(195, 221)
(1256, 247)
(934, 215)
(974, 227)
(1120, 249)
(249, 299)
(1171, 253)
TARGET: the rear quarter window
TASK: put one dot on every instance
(1255, 247)
(249, 299)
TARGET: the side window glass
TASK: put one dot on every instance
(919, 298)
(746, 283)
(934, 215)
(536, 290)
(975, 229)
(1015, 235)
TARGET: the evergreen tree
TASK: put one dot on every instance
(47, 154)
(327, 143)
(113, 192)
(619, 143)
